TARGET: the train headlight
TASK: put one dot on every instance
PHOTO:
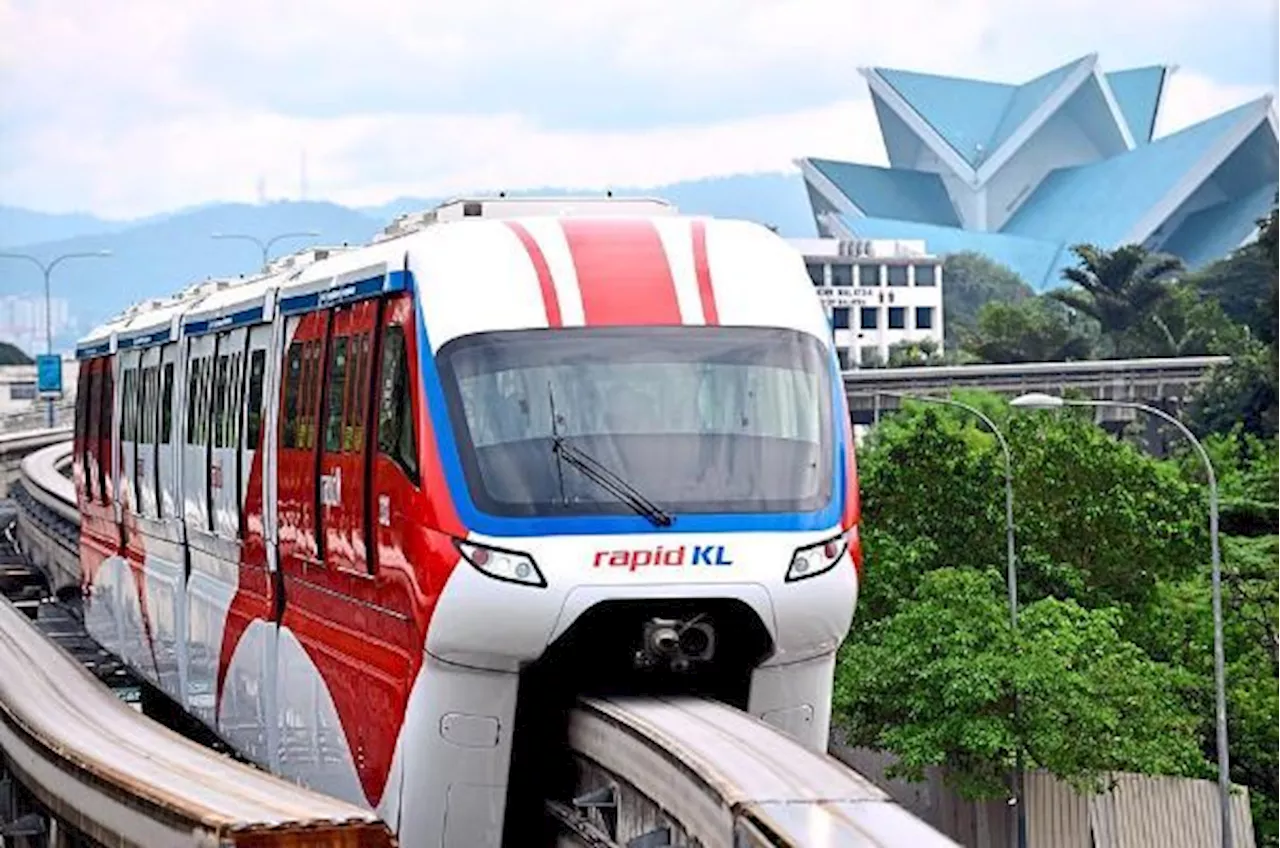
(818, 558)
(500, 564)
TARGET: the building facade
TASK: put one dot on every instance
(1023, 172)
(877, 293)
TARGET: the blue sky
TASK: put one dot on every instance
(137, 106)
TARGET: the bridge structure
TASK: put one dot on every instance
(80, 767)
(1167, 382)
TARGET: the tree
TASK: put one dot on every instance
(1269, 240)
(1031, 330)
(1119, 289)
(1097, 519)
(934, 683)
(1185, 323)
(1243, 391)
(970, 280)
(1242, 285)
(915, 353)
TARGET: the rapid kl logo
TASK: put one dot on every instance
(693, 555)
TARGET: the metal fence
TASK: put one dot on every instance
(1134, 811)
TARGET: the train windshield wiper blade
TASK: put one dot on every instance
(610, 482)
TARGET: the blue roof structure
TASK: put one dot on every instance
(1024, 172)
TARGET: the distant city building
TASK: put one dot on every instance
(22, 320)
(877, 293)
(1023, 172)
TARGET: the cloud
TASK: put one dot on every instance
(149, 104)
(1191, 97)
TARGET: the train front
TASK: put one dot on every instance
(640, 426)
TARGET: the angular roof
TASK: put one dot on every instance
(1117, 192)
(1137, 92)
(891, 192)
(1026, 171)
(974, 117)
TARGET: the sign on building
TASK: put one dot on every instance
(49, 375)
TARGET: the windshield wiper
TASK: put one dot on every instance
(601, 476)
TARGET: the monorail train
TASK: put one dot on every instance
(344, 511)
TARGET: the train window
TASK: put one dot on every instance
(396, 436)
(337, 383)
(93, 414)
(292, 384)
(220, 402)
(105, 458)
(307, 413)
(253, 420)
(352, 432)
(166, 405)
(126, 406)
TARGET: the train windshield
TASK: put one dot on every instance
(695, 419)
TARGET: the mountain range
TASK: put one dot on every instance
(161, 254)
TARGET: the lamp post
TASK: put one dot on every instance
(46, 268)
(1036, 400)
(1011, 578)
(265, 246)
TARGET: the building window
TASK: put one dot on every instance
(869, 356)
(841, 275)
(840, 318)
(22, 391)
(924, 317)
(897, 275)
(868, 317)
(842, 354)
(816, 273)
(868, 275)
(925, 275)
(897, 317)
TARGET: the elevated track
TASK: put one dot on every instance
(647, 772)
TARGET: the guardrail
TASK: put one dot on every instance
(14, 446)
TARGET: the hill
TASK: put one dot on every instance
(161, 254)
(13, 355)
(22, 226)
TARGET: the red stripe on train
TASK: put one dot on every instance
(702, 270)
(549, 299)
(623, 272)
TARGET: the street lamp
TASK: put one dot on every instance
(1036, 400)
(1011, 579)
(265, 246)
(46, 268)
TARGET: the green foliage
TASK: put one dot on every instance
(1185, 323)
(1120, 289)
(1031, 330)
(1114, 658)
(916, 353)
(969, 281)
(935, 682)
(1243, 391)
(1096, 519)
(11, 354)
(1242, 285)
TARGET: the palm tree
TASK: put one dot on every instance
(1119, 288)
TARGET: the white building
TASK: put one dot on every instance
(877, 294)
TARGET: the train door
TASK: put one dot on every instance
(146, 470)
(224, 445)
(343, 506)
(195, 476)
(246, 709)
(80, 446)
(107, 441)
(166, 454)
(128, 430)
(395, 455)
(298, 489)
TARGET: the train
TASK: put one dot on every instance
(367, 513)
